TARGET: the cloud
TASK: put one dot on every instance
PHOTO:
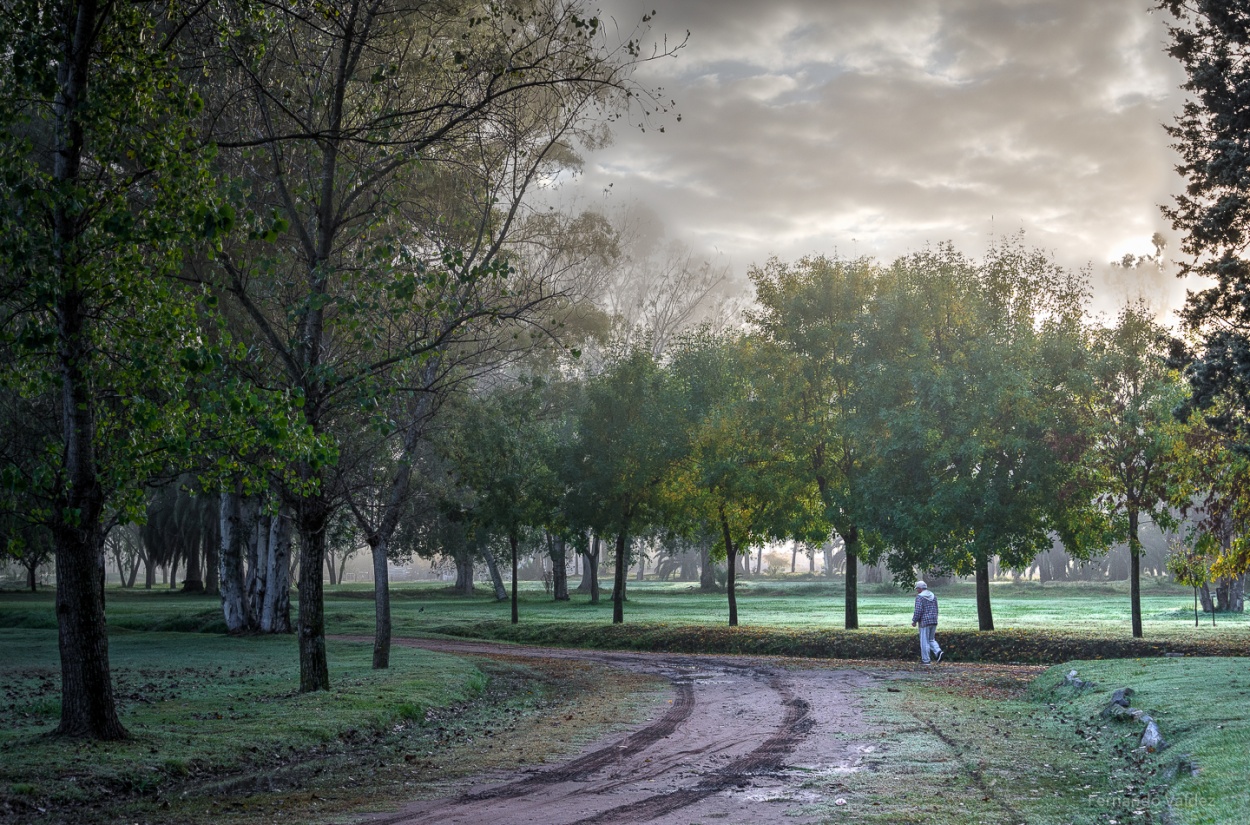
(870, 126)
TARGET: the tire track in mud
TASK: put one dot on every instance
(766, 758)
(584, 766)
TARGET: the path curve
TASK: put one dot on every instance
(737, 743)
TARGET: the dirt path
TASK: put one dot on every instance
(736, 742)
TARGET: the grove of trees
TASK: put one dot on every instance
(274, 285)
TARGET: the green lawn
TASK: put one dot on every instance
(207, 709)
(1094, 609)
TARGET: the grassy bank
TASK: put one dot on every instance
(991, 744)
(219, 733)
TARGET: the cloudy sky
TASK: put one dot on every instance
(879, 126)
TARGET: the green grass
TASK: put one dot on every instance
(1202, 707)
(210, 713)
(200, 706)
(1097, 609)
(973, 745)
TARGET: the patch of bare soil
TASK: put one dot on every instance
(737, 741)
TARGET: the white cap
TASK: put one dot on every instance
(920, 585)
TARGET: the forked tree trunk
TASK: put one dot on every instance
(590, 571)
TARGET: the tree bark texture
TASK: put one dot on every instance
(1134, 587)
(275, 614)
(496, 579)
(88, 708)
(512, 545)
(707, 570)
(618, 589)
(381, 604)
(730, 579)
(851, 539)
(233, 604)
(462, 557)
(311, 517)
(590, 570)
(257, 568)
(985, 616)
(559, 570)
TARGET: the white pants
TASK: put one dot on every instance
(928, 643)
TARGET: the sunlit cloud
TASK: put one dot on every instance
(881, 127)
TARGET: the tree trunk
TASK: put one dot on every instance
(827, 550)
(149, 571)
(193, 580)
(31, 581)
(1237, 594)
(985, 616)
(173, 573)
(618, 590)
(1134, 587)
(233, 606)
(257, 567)
(312, 516)
(1208, 602)
(590, 570)
(501, 592)
(134, 570)
(707, 570)
(330, 570)
(794, 558)
(381, 604)
(851, 540)
(512, 544)
(462, 557)
(212, 558)
(559, 570)
(275, 616)
(730, 578)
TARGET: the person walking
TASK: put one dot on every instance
(926, 617)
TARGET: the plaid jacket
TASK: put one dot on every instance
(926, 612)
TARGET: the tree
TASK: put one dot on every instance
(388, 146)
(1213, 496)
(500, 444)
(737, 481)
(1137, 436)
(1212, 138)
(985, 431)
(104, 188)
(814, 312)
(629, 434)
(1191, 567)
